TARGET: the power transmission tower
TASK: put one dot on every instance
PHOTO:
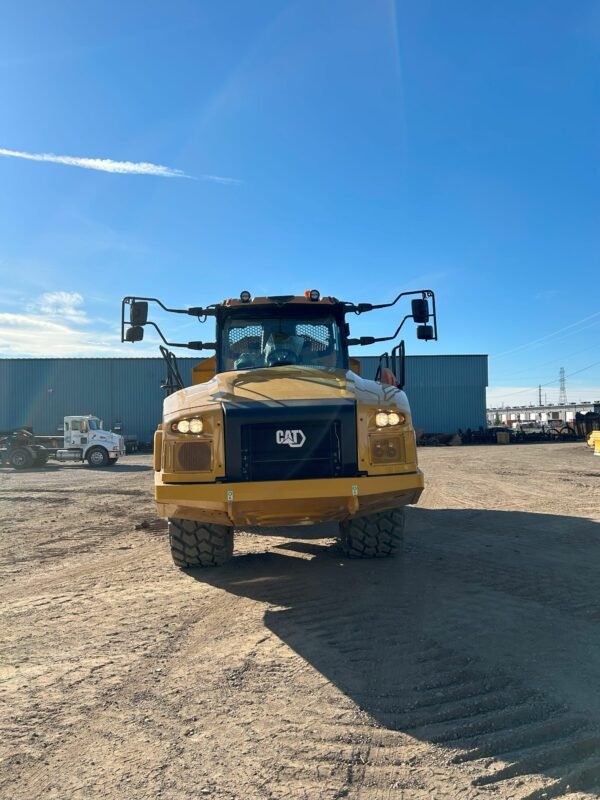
(562, 396)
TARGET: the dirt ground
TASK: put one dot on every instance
(467, 668)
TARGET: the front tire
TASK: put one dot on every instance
(199, 544)
(374, 536)
(97, 457)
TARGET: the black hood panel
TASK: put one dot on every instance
(290, 440)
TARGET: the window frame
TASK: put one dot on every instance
(298, 311)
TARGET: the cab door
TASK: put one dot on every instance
(78, 437)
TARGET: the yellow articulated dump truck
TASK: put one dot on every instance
(279, 429)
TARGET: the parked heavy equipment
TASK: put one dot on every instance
(18, 449)
(279, 428)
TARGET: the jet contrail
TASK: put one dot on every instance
(108, 165)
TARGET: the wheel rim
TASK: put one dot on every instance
(19, 460)
(96, 457)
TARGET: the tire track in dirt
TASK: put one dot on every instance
(463, 670)
(456, 702)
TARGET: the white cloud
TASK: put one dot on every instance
(56, 324)
(65, 305)
(31, 335)
(108, 165)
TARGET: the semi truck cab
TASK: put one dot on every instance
(86, 440)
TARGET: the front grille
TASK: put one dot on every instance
(295, 440)
(270, 453)
(194, 457)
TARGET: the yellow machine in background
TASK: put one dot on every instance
(593, 440)
(276, 428)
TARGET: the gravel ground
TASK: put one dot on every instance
(467, 668)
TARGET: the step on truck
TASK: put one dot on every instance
(278, 427)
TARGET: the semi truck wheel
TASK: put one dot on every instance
(199, 544)
(20, 458)
(97, 457)
(41, 460)
(373, 536)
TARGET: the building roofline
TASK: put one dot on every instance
(201, 358)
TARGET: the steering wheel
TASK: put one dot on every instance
(279, 358)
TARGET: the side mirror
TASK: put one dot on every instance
(425, 332)
(138, 314)
(135, 334)
(420, 311)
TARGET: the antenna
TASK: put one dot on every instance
(562, 396)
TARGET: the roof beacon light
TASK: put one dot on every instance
(313, 294)
(245, 297)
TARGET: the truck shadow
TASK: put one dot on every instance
(131, 468)
(483, 637)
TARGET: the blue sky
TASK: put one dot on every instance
(361, 148)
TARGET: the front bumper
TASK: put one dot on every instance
(301, 502)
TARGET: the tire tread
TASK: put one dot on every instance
(199, 544)
(374, 536)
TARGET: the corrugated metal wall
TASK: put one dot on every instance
(446, 392)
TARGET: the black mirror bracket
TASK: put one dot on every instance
(420, 313)
(132, 329)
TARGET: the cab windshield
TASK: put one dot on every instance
(277, 342)
(95, 424)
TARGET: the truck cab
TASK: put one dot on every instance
(86, 440)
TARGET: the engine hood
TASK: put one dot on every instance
(278, 384)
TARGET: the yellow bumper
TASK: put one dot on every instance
(305, 502)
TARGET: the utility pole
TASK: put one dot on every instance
(562, 396)
(540, 394)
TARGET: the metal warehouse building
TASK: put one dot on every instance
(445, 392)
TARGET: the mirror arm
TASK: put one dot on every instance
(189, 345)
(366, 340)
(425, 294)
(195, 311)
(362, 308)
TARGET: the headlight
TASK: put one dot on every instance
(383, 418)
(196, 426)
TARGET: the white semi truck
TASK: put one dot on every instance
(86, 440)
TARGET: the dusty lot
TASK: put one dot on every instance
(468, 668)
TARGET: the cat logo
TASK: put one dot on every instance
(291, 438)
